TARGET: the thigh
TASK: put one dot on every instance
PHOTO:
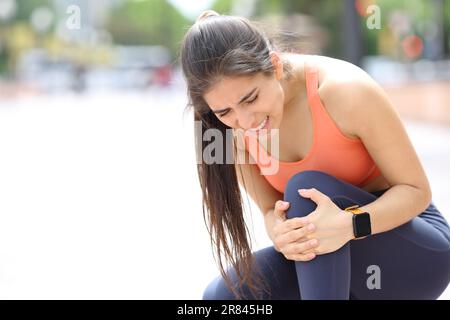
(411, 261)
(342, 193)
(276, 271)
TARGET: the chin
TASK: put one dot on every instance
(274, 123)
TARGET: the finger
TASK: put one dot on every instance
(301, 257)
(313, 250)
(292, 224)
(280, 208)
(302, 247)
(297, 234)
(281, 205)
(294, 236)
(314, 194)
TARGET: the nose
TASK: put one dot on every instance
(248, 124)
(247, 121)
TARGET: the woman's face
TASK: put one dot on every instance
(245, 102)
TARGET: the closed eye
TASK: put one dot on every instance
(253, 100)
(247, 102)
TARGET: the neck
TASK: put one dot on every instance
(294, 87)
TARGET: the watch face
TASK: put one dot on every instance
(361, 225)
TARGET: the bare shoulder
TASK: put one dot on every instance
(365, 109)
(345, 90)
(343, 80)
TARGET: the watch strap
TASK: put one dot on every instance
(354, 209)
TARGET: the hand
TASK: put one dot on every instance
(290, 235)
(334, 226)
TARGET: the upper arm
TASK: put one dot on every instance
(254, 183)
(374, 119)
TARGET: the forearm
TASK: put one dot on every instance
(269, 222)
(396, 206)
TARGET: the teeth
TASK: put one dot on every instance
(261, 125)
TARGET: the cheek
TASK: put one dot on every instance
(227, 121)
(277, 106)
(280, 95)
(277, 99)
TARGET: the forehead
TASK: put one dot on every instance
(229, 90)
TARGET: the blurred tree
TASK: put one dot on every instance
(446, 30)
(425, 19)
(350, 38)
(154, 22)
(269, 7)
(16, 34)
(327, 13)
(25, 8)
(223, 6)
(4, 55)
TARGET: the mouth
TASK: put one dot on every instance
(263, 125)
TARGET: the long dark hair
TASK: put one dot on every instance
(214, 47)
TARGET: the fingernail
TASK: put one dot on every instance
(311, 227)
(301, 190)
(313, 242)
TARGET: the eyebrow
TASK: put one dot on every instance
(240, 101)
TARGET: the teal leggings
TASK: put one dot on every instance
(411, 261)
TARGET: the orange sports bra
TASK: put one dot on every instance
(331, 152)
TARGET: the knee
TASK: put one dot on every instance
(299, 206)
(307, 179)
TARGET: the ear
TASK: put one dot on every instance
(277, 64)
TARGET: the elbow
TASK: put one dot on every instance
(426, 195)
(423, 197)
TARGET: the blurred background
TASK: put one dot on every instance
(99, 196)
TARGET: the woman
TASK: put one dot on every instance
(348, 206)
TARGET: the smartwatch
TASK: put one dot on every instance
(361, 222)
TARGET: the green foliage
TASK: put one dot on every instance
(222, 6)
(26, 7)
(154, 22)
(327, 14)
